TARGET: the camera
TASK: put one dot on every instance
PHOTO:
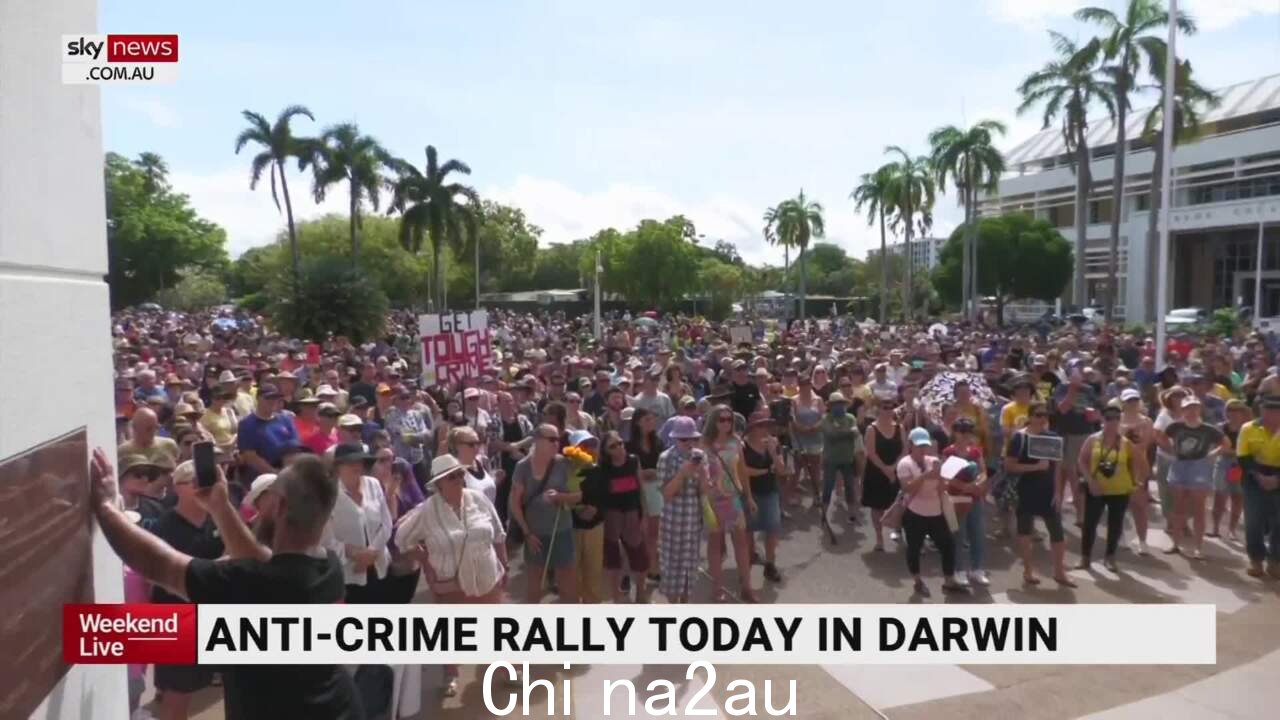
(1107, 468)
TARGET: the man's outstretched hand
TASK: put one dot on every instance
(102, 479)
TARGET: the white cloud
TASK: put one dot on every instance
(249, 216)
(1209, 14)
(1217, 14)
(159, 114)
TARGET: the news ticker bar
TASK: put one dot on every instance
(641, 634)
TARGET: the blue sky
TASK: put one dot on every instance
(598, 114)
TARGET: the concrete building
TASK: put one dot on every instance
(54, 318)
(924, 251)
(1226, 191)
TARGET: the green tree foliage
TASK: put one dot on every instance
(279, 146)
(558, 267)
(1020, 257)
(875, 195)
(343, 155)
(912, 187)
(197, 290)
(1129, 41)
(401, 276)
(656, 264)
(331, 296)
(723, 283)
(508, 248)
(792, 223)
(434, 207)
(152, 231)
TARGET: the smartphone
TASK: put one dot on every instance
(206, 465)
(696, 456)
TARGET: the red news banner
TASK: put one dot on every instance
(129, 633)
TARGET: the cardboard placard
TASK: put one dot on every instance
(46, 538)
(455, 346)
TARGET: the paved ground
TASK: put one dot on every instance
(1242, 685)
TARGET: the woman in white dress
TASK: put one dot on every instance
(360, 527)
(460, 543)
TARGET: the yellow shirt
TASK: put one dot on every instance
(1257, 442)
(221, 425)
(1121, 480)
(1014, 416)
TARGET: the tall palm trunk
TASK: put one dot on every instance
(971, 230)
(477, 242)
(786, 278)
(884, 273)
(1084, 181)
(1117, 194)
(438, 298)
(966, 250)
(1153, 269)
(800, 261)
(906, 254)
(355, 222)
(293, 231)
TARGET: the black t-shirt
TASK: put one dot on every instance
(198, 542)
(766, 484)
(621, 485)
(744, 399)
(275, 692)
(1193, 443)
(363, 390)
(1035, 488)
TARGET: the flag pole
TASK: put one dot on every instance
(597, 298)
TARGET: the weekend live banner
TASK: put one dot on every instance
(455, 345)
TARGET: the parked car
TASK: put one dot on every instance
(1187, 316)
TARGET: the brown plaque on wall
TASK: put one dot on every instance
(45, 561)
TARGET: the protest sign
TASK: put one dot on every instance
(455, 345)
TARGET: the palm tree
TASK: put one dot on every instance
(793, 223)
(344, 155)
(154, 171)
(1190, 99)
(913, 191)
(431, 204)
(1068, 86)
(278, 145)
(874, 194)
(1125, 44)
(972, 162)
(772, 216)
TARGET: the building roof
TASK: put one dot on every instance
(1240, 99)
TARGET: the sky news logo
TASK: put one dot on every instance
(117, 58)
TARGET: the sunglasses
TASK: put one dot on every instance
(614, 446)
(1111, 416)
(724, 419)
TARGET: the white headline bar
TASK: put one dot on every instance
(1172, 634)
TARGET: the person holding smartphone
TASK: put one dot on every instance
(539, 506)
(683, 475)
(187, 528)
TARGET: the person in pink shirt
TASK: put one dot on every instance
(324, 435)
(919, 474)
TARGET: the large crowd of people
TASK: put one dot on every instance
(626, 468)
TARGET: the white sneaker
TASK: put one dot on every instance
(978, 577)
(1139, 547)
(960, 580)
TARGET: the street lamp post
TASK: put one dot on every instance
(1166, 188)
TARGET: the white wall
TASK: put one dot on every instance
(54, 316)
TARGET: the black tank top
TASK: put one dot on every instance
(766, 484)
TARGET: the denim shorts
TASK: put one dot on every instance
(561, 551)
(768, 515)
(1191, 474)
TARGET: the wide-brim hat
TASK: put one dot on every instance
(349, 453)
(443, 466)
(684, 428)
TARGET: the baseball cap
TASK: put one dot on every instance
(920, 437)
(1130, 394)
(350, 420)
(261, 484)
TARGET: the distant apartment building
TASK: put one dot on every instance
(1226, 193)
(924, 252)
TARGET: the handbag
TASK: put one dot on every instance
(728, 505)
